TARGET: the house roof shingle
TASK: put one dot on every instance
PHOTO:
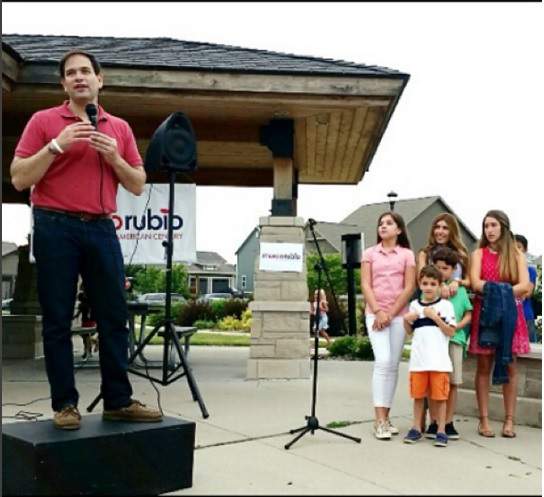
(185, 55)
(205, 259)
(368, 214)
(333, 232)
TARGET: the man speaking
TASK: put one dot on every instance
(74, 156)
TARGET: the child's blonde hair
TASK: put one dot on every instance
(322, 294)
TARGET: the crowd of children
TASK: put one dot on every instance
(463, 303)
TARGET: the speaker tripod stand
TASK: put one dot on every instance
(171, 343)
(312, 423)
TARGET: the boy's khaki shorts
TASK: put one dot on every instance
(432, 384)
(456, 356)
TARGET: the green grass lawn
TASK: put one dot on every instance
(220, 339)
(205, 338)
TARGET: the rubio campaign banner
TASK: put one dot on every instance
(142, 224)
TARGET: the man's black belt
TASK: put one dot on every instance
(83, 216)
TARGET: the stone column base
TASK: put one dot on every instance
(269, 369)
(22, 337)
(529, 394)
(528, 411)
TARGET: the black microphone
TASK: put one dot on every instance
(91, 111)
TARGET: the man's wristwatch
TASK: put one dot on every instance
(54, 147)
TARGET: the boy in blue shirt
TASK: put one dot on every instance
(522, 244)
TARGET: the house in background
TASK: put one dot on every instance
(417, 213)
(245, 262)
(210, 274)
(10, 261)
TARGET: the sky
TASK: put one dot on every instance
(468, 126)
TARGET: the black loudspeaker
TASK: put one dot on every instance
(172, 146)
(351, 250)
(101, 458)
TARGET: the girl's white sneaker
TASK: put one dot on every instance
(392, 429)
(381, 430)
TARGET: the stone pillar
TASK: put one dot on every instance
(25, 296)
(22, 337)
(280, 311)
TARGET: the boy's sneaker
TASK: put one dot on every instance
(451, 431)
(412, 436)
(392, 429)
(68, 418)
(431, 430)
(381, 430)
(441, 440)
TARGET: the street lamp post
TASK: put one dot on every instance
(392, 196)
(351, 259)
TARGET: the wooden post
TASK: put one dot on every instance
(283, 177)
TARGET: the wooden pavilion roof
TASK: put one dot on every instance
(340, 109)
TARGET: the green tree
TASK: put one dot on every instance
(338, 275)
(133, 269)
(148, 280)
(152, 279)
(179, 280)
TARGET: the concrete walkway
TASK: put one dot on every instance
(240, 447)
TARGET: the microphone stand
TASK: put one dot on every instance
(312, 423)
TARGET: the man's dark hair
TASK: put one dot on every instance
(447, 255)
(430, 271)
(67, 55)
(521, 239)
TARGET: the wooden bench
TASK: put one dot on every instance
(185, 332)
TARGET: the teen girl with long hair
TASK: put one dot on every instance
(445, 232)
(498, 259)
(388, 281)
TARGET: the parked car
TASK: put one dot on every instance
(6, 304)
(209, 297)
(160, 298)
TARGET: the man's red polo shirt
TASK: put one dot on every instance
(78, 180)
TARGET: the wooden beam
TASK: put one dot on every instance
(343, 136)
(311, 141)
(220, 177)
(6, 84)
(283, 178)
(322, 123)
(368, 137)
(10, 67)
(332, 142)
(212, 80)
(225, 154)
(300, 144)
(355, 133)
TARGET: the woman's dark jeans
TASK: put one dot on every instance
(64, 247)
